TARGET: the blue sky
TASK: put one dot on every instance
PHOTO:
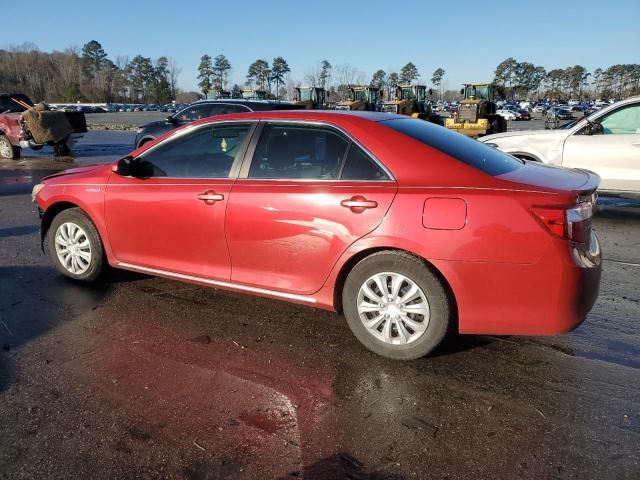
(365, 34)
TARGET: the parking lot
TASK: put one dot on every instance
(141, 377)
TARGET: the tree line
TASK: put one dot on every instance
(87, 75)
(525, 80)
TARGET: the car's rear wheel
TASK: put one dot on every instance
(396, 306)
(75, 245)
(7, 150)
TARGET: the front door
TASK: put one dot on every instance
(308, 194)
(613, 154)
(169, 214)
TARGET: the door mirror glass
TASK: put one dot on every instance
(593, 129)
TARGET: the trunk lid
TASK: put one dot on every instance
(552, 178)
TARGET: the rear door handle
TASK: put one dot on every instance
(358, 204)
(210, 197)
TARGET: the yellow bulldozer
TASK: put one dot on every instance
(412, 100)
(477, 115)
(361, 98)
(310, 97)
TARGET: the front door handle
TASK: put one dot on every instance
(358, 204)
(210, 197)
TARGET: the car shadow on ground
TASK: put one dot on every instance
(34, 300)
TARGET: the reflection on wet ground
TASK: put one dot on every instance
(140, 377)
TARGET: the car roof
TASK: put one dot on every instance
(253, 104)
(337, 116)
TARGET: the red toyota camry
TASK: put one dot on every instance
(411, 230)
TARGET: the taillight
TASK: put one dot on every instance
(573, 223)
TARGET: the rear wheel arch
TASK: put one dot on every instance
(358, 257)
(144, 141)
(526, 156)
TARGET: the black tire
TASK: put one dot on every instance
(97, 261)
(61, 149)
(7, 150)
(441, 318)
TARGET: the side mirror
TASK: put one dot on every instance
(171, 119)
(462, 91)
(123, 166)
(431, 91)
(593, 129)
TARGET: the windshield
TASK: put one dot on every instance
(477, 92)
(305, 95)
(407, 94)
(472, 152)
(8, 103)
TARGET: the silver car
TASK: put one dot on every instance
(606, 142)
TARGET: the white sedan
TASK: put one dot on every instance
(507, 114)
(606, 142)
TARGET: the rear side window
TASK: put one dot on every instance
(472, 152)
(293, 151)
(359, 166)
(224, 109)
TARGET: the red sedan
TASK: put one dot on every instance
(411, 230)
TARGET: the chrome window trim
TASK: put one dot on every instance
(217, 283)
(244, 172)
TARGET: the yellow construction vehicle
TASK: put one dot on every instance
(412, 100)
(255, 95)
(361, 98)
(217, 94)
(310, 97)
(477, 115)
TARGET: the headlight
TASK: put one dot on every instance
(36, 190)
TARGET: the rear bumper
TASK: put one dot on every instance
(31, 144)
(550, 297)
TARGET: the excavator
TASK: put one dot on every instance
(310, 97)
(477, 112)
(361, 98)
(412, 100)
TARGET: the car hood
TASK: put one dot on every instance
(80, 172)
(524, 133)
(157, 123)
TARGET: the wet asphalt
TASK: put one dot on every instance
(140, 377)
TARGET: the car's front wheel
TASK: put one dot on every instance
(75, 245)
(396, 306)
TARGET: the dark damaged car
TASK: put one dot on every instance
(203, 109)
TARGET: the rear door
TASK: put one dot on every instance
(614, 154)
(305, 193)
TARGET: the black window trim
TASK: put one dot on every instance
(237, 161)
(250, 152)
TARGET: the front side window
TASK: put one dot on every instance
(208, 152)
(296, 151)
(224, 109)
(624, 120)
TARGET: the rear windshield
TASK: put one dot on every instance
(472, 152)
